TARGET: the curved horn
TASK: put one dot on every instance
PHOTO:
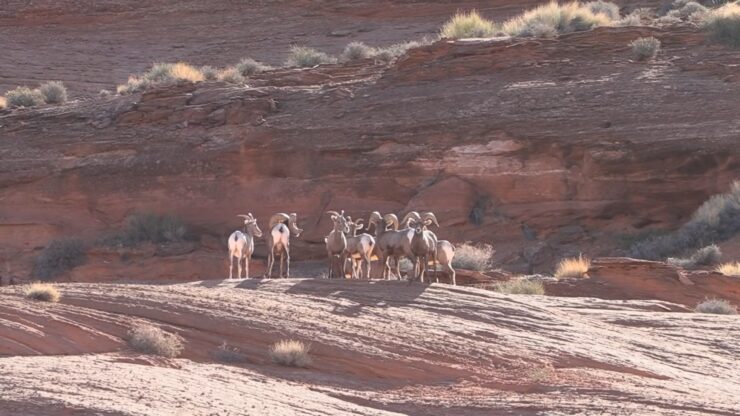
(408, 217)
(246, 217)
(375, 217)
(292, 224)
(391, 219)
(333, 213)
(429, 215)
(278, 218)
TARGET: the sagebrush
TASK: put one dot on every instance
(723, 24)
(152, 340)
(229, 354)
(58, 257)
(248, 66)
(645, 48)
(554, 18)
(150, 227)
(54, 92)
(715, 220)
(470, 256)
(303, 57)
(24, 97)
(705, 256)
(716, 306)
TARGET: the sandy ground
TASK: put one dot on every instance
(378, 348)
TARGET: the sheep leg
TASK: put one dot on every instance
(398, 266)
(367, 267)
(287, 262)
(246, 267)
(343, 266)
(282, 256)
(239, 267)
(451, 271)
(270, 263)
(231, 265)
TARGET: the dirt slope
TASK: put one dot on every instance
(377, 347)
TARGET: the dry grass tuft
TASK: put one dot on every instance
(473, 257)
(161, 73)
(43, 292)
(729, 269)
(3, 103)
(716, 306)
(552, 18)
(520, 286)
(357, 50)
(467, 25)
(573, 267)
(291, 353)
(152, 340)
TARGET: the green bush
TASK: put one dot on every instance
(723, 24)
(58, 257)
(150, 227)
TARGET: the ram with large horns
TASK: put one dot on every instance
(241, 245)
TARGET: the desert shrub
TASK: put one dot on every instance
(521, 286)
(729, 269)
(59, 256)
(645, 48)
(723, 24)
(150, 227)
(231, 76)
(228, 354)
(152, 340)
(716, 306)
(467, 25)
(606, 8)
(630, 20)
(391, 52)
(686, 10)
(43, 292)
(248, 66)
(104, 93)
(209, 73)
(473, 257)
(24, 97)
(54, 92)
(573, 267)
(161, 73)
(291, 353)
(303, 57)
(555, 18)
(357, 50)
(705, 256)
(715, 220)
(3, 103)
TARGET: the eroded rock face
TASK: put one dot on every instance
(522, 144)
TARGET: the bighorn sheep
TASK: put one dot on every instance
(359, 248)
(423, 247)
(241, 245)
(390, 243)
(445, 254)
(336, 242)
(278, 241)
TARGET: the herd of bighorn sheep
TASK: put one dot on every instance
(394, 240)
